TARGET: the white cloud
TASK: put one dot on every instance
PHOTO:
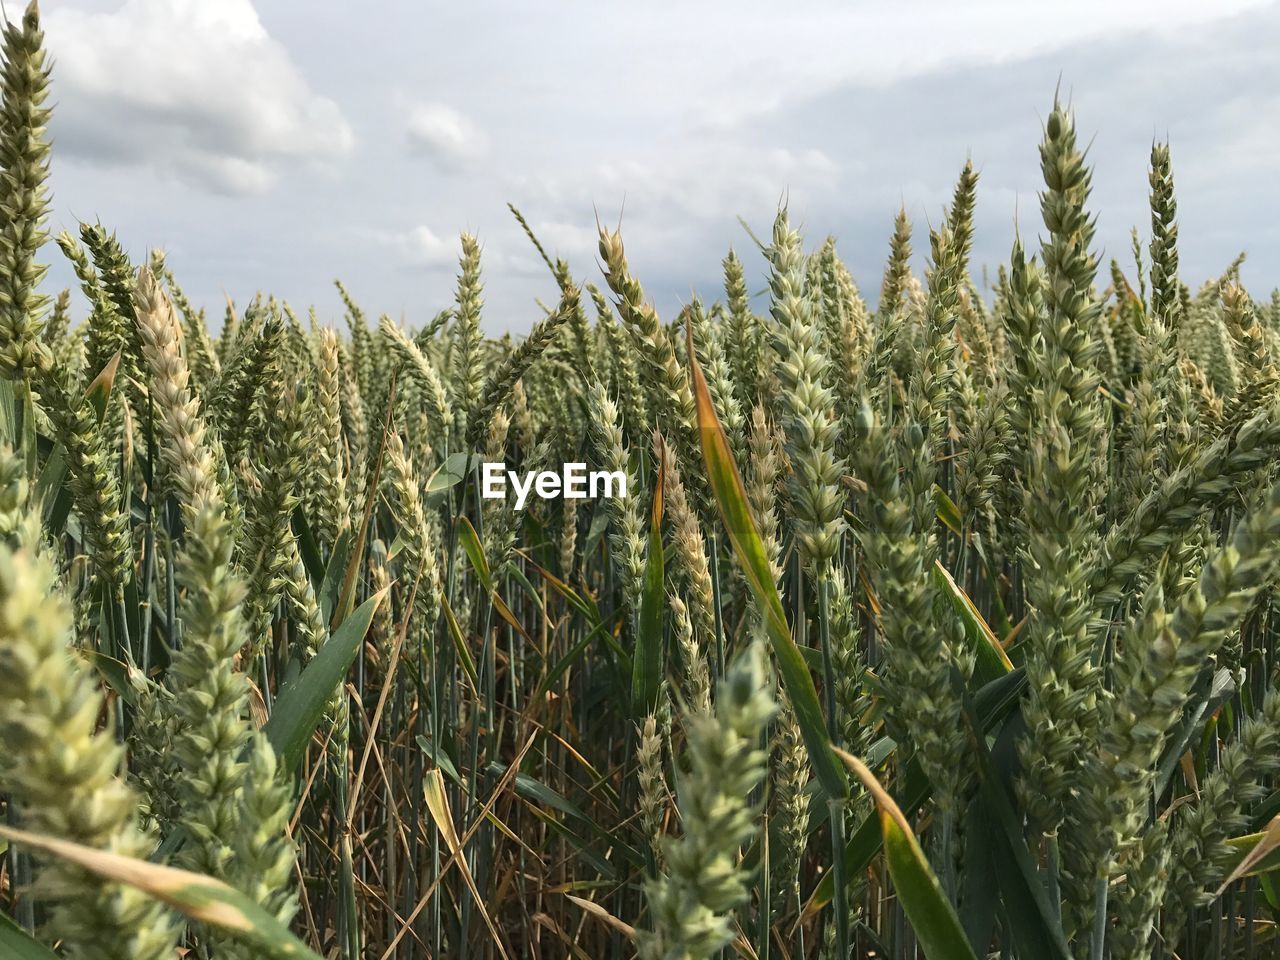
(565, 239)
(706, 175)
(194, 89)
(418, 246)
(504, 250)
(447, 136)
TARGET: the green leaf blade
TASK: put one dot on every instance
(302, 702)
(730, 496)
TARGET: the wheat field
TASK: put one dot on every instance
(942, 628)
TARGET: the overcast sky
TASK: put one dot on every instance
(277, 144)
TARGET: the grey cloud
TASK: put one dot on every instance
(1213, 92)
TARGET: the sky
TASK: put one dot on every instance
(276, 145)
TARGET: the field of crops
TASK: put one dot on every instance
(942, 628)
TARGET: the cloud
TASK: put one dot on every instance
(561, 238)
(506, 252)
(449, 138)
(192, 89)
(881, 108)
(845, 155)
(418, 246)
(700, 175)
